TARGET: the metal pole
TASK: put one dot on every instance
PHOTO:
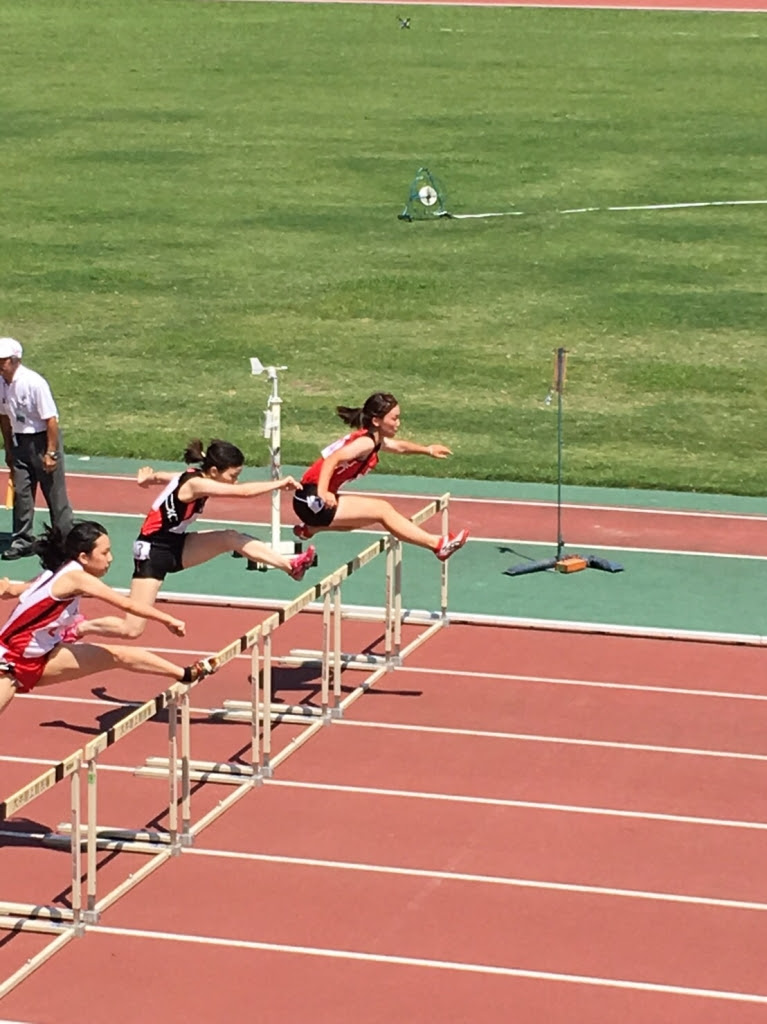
(275, 453)
(559, 384)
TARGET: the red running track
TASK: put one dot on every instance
(655, 529)
(567, 829)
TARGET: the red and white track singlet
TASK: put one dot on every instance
(169, 514)
(349, 469)
(36, 623)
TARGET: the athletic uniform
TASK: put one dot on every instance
(35, 628)
(310, 508)
(160, 544)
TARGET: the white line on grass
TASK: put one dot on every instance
(444, 965)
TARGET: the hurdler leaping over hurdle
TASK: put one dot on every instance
(37, 647)
(318, 504)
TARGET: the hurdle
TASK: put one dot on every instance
(85, 838)
(92, 837)
(331, 661)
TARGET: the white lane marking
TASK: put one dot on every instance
(519, 502)
(445, 965)
(525, 737)
(533, 805)
(558, 681)
(460, 876)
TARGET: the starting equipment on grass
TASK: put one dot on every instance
(561, 562)
(426, 198)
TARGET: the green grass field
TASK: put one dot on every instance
(188, 184)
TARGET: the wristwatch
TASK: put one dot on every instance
(53, 455)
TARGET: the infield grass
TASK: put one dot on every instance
(188, 184)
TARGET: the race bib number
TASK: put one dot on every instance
(315, 503)
(141, 549)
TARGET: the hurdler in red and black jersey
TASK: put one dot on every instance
(169, 514)
(160, 544)
(306, 504)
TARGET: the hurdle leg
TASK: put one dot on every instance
(76, 849)
(255, 720)
(266, 690)
(91, 913)
(173, 765)
(397, 600)
(185, 838)
(327, 616)
(337, 662)
(389, 599)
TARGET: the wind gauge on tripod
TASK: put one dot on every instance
(561, 562)
(272, 433)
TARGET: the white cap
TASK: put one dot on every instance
(10, 348)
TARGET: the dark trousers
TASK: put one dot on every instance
(28, 474)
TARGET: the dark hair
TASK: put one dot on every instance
(377, 406)
(219, 454)
(54, 549)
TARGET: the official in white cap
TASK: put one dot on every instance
(29, 421)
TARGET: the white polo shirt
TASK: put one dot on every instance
(27, 401)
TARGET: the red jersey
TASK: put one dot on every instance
(35, 625)
(168, 513)
(348, 469)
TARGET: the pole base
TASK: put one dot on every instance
(564, 564)
(527, 567)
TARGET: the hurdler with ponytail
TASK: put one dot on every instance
(318, 504)
(39, 644)
(164, 546)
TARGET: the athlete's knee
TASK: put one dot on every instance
(133, 630)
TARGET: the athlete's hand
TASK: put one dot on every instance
(439, 451)
(328, 499)
(145, 476)
(289, 483)
(5, 584)
(176, 626)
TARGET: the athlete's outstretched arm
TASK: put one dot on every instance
(399, 447)
(10, 589)
(147, 476)
(72, 584)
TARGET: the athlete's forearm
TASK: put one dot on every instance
(109, 625)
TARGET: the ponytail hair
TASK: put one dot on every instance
(220, 455)
(54, 549)
(376, 407)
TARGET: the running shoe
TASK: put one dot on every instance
(70, 634)
(200, 669)
(301, 563)
(302, 531)
(450, 544)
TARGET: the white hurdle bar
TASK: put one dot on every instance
(329, 659)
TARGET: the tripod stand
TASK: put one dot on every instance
(561, 562)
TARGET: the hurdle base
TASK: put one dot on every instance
(313, 659)
(111, 838)
(565, 564)
(226, 772)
